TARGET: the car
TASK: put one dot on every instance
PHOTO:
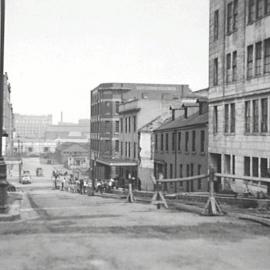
(26, 178)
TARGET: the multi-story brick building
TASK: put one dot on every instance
(239, 93)
(106, 158)
(181, 148)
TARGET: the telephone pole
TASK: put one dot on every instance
(3, 168)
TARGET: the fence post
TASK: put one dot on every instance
(212, 208)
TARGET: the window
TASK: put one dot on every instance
(250, 61)
(166, 142)
(121, 149)
(229, 18)
(134, 123)
(191, 169)
(171, 171)
(260, 9)
(258, 58)
(215, 120)
(267, 56)
(193, 140)
(247, 117)
(216, 24)
(161, 142)
(156, 142)
(215, 72)
(247, 166)
(117, 126)
(228, 68)
(255, 116)
(199, 169)
(264, 116)
(181, 171)
(234, 66)
(232, 118)
(264, 167)
(117, 103)
(186, 141)
(255, 167)
(251, 11)
(121, 124)
(202, 141)
(116, 146)
(187, 170)
(135, 150)
(126, 149)
(233, 164)
(129, 149)
(126, 125)
(235, 14)
(179, 141)
(173, 141)
(129, 124)
(226, 124)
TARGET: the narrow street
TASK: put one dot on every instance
(61, 230)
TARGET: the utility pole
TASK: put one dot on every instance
(3, 167)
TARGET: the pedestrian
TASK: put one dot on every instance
(139, 184)
(63, 182)
(81, 186)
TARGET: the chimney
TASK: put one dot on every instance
(173, 113)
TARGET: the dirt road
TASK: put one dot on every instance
(61, 230)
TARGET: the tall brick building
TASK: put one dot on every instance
(239, 93)
(106, 158)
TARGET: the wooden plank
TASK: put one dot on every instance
(183, 179)
(246, 178)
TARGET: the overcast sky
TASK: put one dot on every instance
(56, 51)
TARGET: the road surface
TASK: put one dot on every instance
(61, 230)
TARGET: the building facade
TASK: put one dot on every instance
(32, 126)
(239, 94)
(106, 158)
(8, 120)
(181, 149)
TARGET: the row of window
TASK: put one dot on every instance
(105, 107)
(162, 141)
(104, 127)
(125, 150)
(257, 9)
(256, 167)
(256, 117)
(169, 173)
(128, 124)
(229, 119)
(258, 62)
(258, 58)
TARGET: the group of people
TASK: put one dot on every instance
(65, 180)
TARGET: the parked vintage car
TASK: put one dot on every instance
(26, 178)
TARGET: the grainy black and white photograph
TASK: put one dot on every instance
(134, 134)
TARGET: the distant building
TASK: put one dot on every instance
(32, 126)
(69, 132)
(73, 155)
(8, 120)
(181, 148)
(239, 93)
(106, 158)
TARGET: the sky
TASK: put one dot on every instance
(57, 51)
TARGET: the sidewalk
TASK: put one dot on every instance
(14, 201)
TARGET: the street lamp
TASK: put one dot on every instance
(3, 168)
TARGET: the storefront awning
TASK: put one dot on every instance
(117, 162)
